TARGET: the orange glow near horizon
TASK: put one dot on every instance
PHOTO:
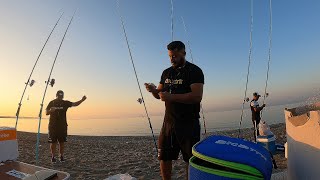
(93, 107)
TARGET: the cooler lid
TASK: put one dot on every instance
(235, 153)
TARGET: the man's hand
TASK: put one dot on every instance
(150, 87)
(153, 89)
(79, 102)
(52, 109)
(165, 96)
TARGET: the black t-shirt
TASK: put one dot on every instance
(59, 116)
(178, 81)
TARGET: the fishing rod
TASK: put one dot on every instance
(140, 100)
(189, 46)
(171, 19)
(204, 119)
(186, 33)
(269, 53)
(51, 82)
(246, 99)
(29, 81)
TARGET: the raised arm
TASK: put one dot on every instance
(79, 102)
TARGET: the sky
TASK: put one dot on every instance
(94, 59)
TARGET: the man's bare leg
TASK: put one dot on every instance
(187, 171)
(53, 149)
(61, 148)
(166, 169)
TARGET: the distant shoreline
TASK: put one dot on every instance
(10, 117)
(223, 109)
(223, 131)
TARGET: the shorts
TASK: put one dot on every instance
(55, 139)
(57, 134)
(172, 140)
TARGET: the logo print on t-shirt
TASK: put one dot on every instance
(176, 81)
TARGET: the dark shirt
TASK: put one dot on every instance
(178, 81)
(255, 114)
(59, 116)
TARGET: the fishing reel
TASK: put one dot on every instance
(140, 100)
(52, 82)
(266, 95)
(31, 83)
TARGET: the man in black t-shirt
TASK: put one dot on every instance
(181, 88)
(57, 109)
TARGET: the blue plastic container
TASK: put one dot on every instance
(268, 142)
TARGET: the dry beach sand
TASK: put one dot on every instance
(98, 157)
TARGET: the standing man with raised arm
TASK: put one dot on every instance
(58, 126)
(181, 88)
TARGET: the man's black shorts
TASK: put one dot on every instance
(57, 134)
(180, 137)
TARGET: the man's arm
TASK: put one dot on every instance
(79, 102)
(195, 96)
(155, 91)
(49, 109)
(257, 109)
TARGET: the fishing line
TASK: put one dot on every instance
(135, 72)
(269, 53)
(189, 46)
(248, 69)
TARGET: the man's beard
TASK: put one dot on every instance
(178, 64)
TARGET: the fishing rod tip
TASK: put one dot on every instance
(76, 10)
(61, 11)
